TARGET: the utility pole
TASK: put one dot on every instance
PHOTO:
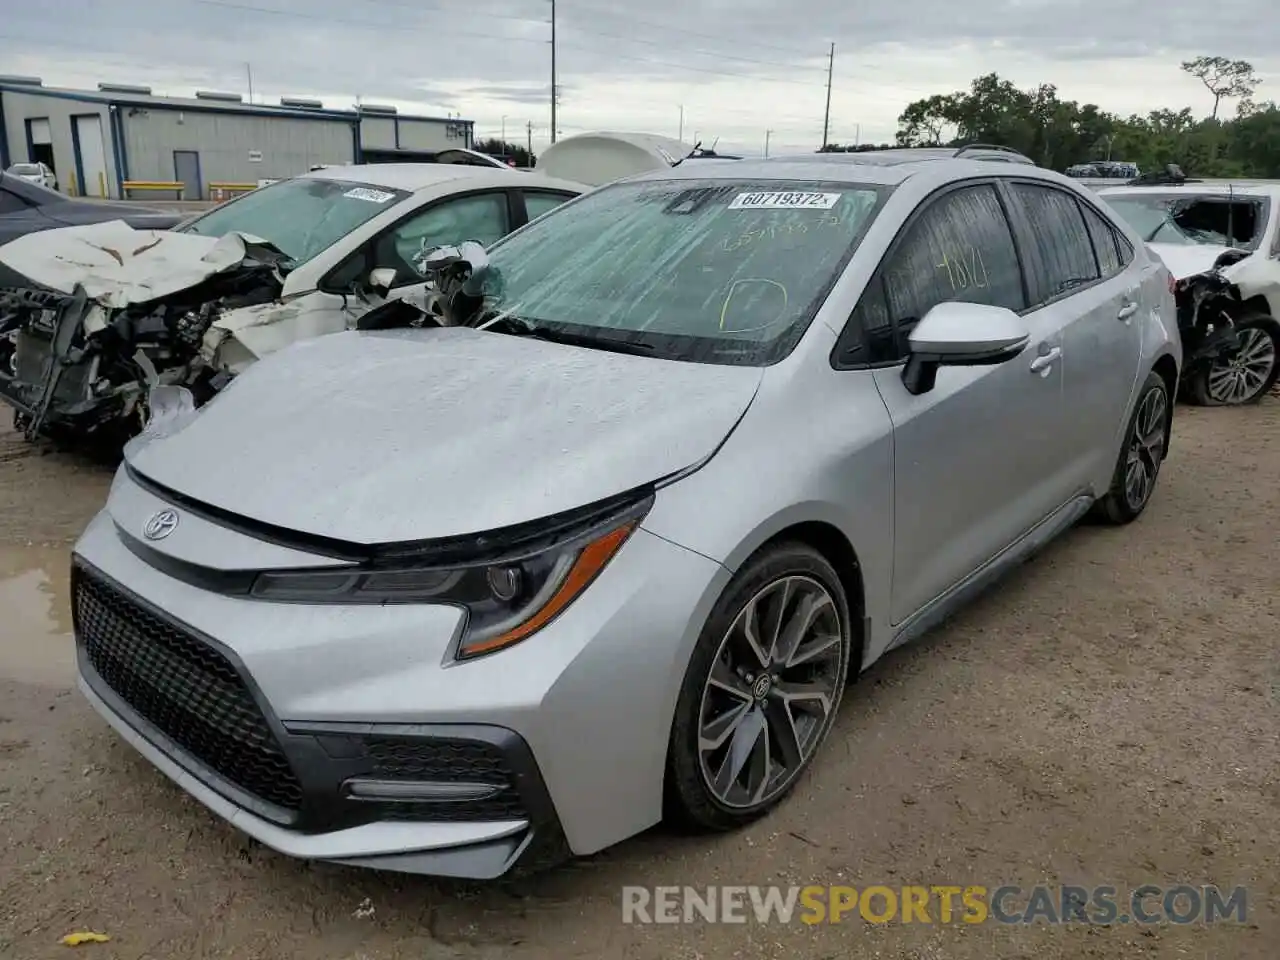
(528, 132)
(555, 93)
(826, 117)
(681, 136)
(504, 129)
(248, 68)
(767, 135)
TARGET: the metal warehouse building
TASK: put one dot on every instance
(120, 140)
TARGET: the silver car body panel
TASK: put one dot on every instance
(508, 430)
(425, 434)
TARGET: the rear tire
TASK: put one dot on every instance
(1248, 375)
(1141, 454)
(759, 691)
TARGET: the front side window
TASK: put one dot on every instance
(481, 217)
(301, 217)
(959, 248)
(1194, 221)
(1060, 254)
(713, 271)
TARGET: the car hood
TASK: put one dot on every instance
(1186, 260)
(117, 265)
(389, 436)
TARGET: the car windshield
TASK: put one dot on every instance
(301, 217)
(1194, 220)
(25, 169)
(712, 271)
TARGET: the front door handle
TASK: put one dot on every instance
(1127, 311)
(1042, 363)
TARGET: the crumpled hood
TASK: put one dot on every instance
(379, 437)
(118, 265)
(1186, 260)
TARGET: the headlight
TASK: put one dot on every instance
(507, 599)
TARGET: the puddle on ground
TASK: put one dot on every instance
(35, 617)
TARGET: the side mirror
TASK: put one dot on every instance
(956, 334)
(381, 279)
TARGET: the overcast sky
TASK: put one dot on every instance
(739, 68)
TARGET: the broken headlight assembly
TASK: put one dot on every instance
(507, 599)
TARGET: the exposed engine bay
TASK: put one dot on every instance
(94, 323)
(1230, 334)
(89, 325)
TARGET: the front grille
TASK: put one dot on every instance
(183, 686)
(449, 761)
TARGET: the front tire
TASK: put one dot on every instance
(1246, 376)
(761, 691)
(1141, 455)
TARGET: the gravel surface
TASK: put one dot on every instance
(1107, 716)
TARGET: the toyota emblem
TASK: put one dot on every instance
(161, 525)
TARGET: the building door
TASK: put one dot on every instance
(40, 143)
(186, 170)
(91, 155)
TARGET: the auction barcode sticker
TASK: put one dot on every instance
(373, 196)
(784, 201)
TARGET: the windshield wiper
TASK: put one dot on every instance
(524, 327)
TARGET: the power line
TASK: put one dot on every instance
(420, 28)
(696, 33)
(684, 66)
(710, 53)
(470, 12)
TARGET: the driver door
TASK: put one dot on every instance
(483, 217)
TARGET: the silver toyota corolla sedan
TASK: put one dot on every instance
(466, 600)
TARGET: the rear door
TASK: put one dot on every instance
(1084, 276)
(977, 461)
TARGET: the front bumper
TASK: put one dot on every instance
(559, 743)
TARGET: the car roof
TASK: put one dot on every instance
(899, 156)
(1200, 188)
(845, 169)
(422, 176)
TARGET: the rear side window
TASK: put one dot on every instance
(1106, 243)
(536, 204)
(959, 248)
(1059, 253)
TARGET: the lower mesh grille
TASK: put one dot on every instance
(183, 686)
(448, 761)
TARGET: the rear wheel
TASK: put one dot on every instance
(1141, 456)
(761, 690)
(1247, 374)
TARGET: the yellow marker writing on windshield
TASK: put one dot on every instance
(724, 308)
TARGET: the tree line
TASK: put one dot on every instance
(1059, 133)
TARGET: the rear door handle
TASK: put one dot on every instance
(1127, 311)
(1042, 363)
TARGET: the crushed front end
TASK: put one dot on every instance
(80, 360)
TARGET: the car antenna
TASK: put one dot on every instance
(692, 153)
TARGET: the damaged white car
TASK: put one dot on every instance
(1221, 242)
(93, 317)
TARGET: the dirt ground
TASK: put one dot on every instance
(1110, 715)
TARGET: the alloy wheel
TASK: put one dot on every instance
(1146, 447)
(1241, 377)
(771, 692)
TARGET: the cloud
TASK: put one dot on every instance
(735, 69)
